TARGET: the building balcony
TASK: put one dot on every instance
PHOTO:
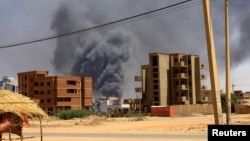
(182, 75)
(205, 99)
(180, 64)
(182, 98)
(182, 87)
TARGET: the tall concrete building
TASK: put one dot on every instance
(171, 79)
(56, 92)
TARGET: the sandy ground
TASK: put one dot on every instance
(193, 124)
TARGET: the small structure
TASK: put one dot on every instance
(8, 83)
(15, 110)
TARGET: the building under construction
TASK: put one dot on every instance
(56, 92)
(171, 79)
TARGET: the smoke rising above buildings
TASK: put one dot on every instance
(112, 56)
(105, 56)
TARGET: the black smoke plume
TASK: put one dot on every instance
(103, 55)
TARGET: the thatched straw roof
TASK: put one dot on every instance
(19, 104)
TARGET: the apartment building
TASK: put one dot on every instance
(171, 79)
(243, 98)
(56, 92)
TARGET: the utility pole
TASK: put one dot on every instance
(228, 80)
(212, 63)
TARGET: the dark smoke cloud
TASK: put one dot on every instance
(103, 55)
(241, 51)
(239, 21)
(112, 56)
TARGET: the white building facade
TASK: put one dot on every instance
(8, 83)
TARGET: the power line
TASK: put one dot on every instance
(95, 27)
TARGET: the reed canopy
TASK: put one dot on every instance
(20, 105)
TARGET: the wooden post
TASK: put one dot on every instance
(228, 80)
(41, 129)
(212, 63)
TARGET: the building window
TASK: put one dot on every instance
(36, 92)
(41, 84)
(156, 87)
(176, 71)
(155, 69)
(67, 107)
(48, 100)
(48, 83)
(36, 84)
(155, 75)
(70, 90)
(42, 101)
(156, 94)
(190, 83)
(64, 99)
(156, 81)
(176, 82)
(67, 99)
(156, 98)
(190, 95)
(71, 82)
(155, 60)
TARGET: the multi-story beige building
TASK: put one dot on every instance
(243, 98)
(171, 79)
(56, 92)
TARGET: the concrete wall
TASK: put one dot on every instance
(242, 109)
(182, 110)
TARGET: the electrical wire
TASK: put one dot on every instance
(135, 17)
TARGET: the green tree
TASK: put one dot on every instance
(224, 102)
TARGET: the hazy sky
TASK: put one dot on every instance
(118, 51)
